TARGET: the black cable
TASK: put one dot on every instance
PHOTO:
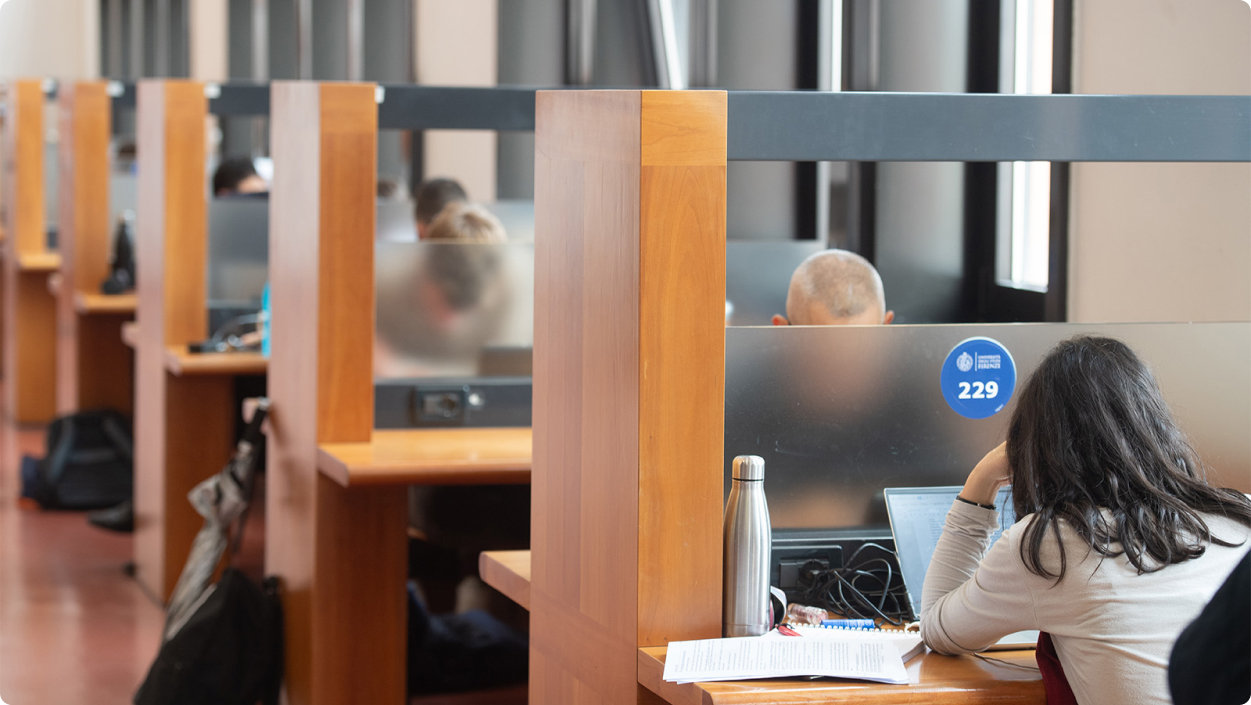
(859, 589)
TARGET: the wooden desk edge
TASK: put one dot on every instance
(447, 472)
(43, 262)
(502, 571)
(651, 676)
(86, 304)
(179, 362)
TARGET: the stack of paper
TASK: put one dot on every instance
(837, 654)
(909, 644)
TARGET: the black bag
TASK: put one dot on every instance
(88, 464)
(122, 268)
(458, 652)
(228, 653)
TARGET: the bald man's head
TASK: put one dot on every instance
(835, 287)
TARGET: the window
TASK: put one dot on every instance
(1025, 187)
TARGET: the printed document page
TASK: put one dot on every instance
(753, 657)
(908, 644)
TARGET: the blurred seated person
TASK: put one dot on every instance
(466, 222)
(433, 195)
(389, 190)
(442, 302)
(237, 176)
(835, 288)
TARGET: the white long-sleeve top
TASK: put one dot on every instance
(1112, 628)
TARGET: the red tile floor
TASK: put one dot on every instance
(74, 628)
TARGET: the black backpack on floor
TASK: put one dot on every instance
(89, 463)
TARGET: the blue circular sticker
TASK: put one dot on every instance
(978, 378)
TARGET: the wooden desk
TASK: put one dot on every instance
(39, 262)
(508, 572)
(179, 361)
(459, 456)
(934, 679)
(86, 304)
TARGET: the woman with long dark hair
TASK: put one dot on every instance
(1120, 543)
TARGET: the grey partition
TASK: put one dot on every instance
(517, 218)
(123, 195)
(51, 177)
(448, 309)
(839, 413)
(396, 222)
(238, 251)
(757, 275)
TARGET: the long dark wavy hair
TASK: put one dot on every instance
(1091, 432)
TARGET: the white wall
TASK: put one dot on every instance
(208, 25)
(49, 38)
(1161, 242)
(456, 46)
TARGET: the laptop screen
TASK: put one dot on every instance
(917, 515)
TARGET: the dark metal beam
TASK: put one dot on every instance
(868, 126)
(766, 126)
(123, 94)
(408, 107)
(240, 99)
(224, 98)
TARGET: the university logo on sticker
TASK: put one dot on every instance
(965, 362)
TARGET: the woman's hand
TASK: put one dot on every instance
(988, 477)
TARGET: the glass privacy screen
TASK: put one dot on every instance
(238, 250)
(840, 413)
(453, 309)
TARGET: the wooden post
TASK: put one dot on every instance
(629, 350)
(30, 309)
(184, 425)
(340, 552)
(94, 366)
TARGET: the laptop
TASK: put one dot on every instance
(917, 515)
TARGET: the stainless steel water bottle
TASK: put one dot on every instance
(747, 542)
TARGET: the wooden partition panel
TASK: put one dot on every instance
(5, 199)
(30, 309)
(26, 226)
(340, 552)
(183, 432)
(629, 353)
(94, 366)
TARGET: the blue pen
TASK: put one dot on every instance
(849, 623)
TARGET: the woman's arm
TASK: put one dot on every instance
(973, 597)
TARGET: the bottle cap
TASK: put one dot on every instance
(748, 467)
